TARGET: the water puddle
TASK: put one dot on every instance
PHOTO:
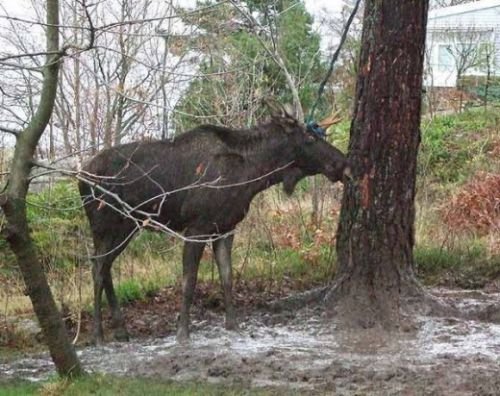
(445, 356)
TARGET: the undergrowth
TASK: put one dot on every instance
(455, 146)
(476, 206)
(466, 267)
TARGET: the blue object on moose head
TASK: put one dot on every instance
(314, 129)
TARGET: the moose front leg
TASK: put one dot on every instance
(117, 322)
(98, 288)
(190, 261)
(222, 250)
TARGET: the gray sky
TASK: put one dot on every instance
(20, 8)
(23, 9)
(315, 6)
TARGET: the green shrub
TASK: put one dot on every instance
(133, 289)
(56, 220)
(130, 290)
(477, 86)
(308, 264)
(340, 135)
(454, 146)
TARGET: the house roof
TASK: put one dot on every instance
(463, 8)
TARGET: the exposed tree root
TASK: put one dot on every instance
(299, 300)
(388, 310)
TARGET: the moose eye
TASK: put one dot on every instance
(310, 138)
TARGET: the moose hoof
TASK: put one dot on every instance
(121, 335)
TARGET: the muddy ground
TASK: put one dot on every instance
(303, 353)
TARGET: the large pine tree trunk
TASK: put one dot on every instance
(13, 203)
(376, 227)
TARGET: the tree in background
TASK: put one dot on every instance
(375, 239)
(119, 91)
(264, 48)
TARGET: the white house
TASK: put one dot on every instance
(463, 40)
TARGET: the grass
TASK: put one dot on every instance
(455, 146)
(466, 267)
(135, 290)
(16, 389)
(308, 265)
(104, 385)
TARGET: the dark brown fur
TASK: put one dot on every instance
(216, 172)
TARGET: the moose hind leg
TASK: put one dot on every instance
(190, 261)
(117, 323)
(222, 250)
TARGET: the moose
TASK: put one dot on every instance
(199, 185)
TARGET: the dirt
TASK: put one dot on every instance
(303, 353)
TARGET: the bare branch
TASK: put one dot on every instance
(31, 55)
(109, 26)
(141, 218)
(336, 54)
(14, 132)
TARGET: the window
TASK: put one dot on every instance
(486, 57)
(446, 62)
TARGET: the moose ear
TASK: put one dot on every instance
(274, 107)
(288, 111)
(279, 110)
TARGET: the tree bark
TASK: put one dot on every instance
(13, 202)
(375, 241)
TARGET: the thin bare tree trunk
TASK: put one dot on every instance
(13, 202)
(94, 119)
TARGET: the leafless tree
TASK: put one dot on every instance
(108, 85)
(122, 90)
(465, 48)
(448, 3)
(13, 199)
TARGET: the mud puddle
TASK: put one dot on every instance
(301, 353)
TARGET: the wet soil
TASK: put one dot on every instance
(303, 353)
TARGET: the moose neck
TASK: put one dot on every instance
(269, 158)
